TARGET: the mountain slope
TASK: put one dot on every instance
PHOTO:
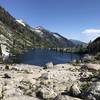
(54, 39)
(94, 47)
(16, 36)
(77, 42)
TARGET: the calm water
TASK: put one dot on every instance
(43, 56)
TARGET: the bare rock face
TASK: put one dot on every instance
(93, 92)
(87, 58)
(75, 90)
(10, 89)
(91, 66)
(66, 97)
(46, 93)
(45, 76)
(49, 65)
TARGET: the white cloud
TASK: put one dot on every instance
(91, 31)
(91, 34)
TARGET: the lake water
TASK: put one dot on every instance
(42, 56)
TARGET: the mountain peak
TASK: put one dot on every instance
(40, 27)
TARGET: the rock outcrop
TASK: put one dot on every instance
(91, 66)
(75, 90)
(49, 65)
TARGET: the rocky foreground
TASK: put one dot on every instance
(52, 82)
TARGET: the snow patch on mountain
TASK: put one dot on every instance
(39, 32)
(40, 28)
(57, 36)
(21, 22)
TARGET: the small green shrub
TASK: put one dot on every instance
(85, 86)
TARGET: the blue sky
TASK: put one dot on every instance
(75, 19)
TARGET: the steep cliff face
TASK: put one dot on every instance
(16, 36)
